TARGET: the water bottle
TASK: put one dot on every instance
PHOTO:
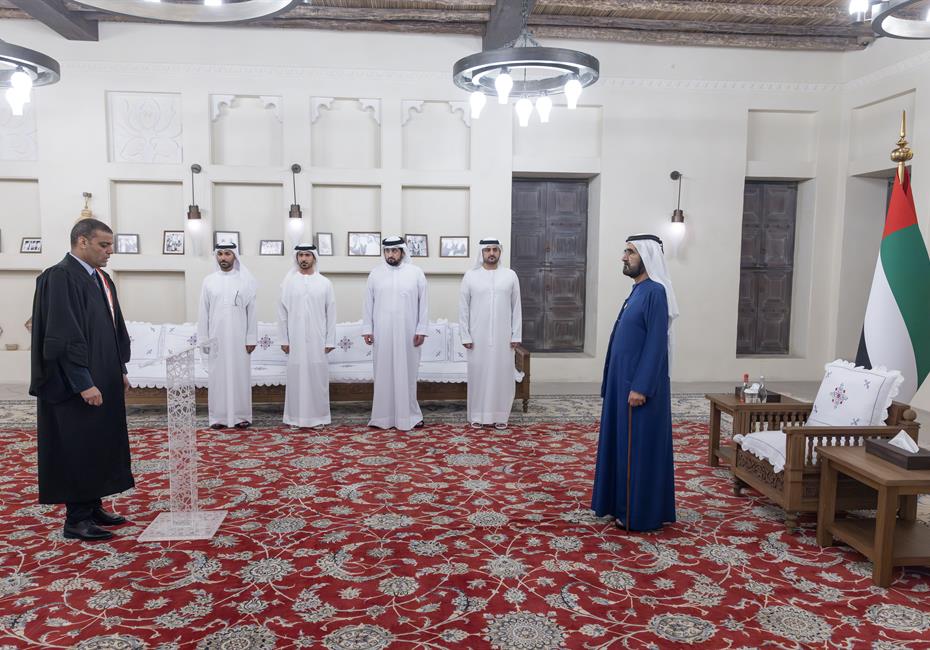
(745, 387)
(763, 393)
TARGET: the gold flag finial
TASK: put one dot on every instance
(902, 153)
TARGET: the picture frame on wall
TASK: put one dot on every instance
(127, 244)
(227, 237)
(417, 245)
(364, 244)
(31, 245)
(271, 247)
(453, 246)
(173, 242)
(324, 243)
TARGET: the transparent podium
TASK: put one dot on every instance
(184, 521)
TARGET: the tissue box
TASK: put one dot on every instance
(886, 451)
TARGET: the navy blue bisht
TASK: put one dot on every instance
(637, 360)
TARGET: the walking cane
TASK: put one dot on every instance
(629, 453)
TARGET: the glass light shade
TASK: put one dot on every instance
(17, 100)
(477, 100)
(572, 93)
(503, 85)
(21, 81)
(544, 108)
(524, 109)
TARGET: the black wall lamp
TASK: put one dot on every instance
(193, 211)
(295, 212)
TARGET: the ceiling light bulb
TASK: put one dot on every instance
(858, 6)
(524, 109)
(477, 102)
(572, 92)
(543, 107)
(503, 84)
(16, 101)
(21, 81)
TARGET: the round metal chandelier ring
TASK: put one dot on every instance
(43, 69)
(173, 12)
(472, 72)
(885, 23)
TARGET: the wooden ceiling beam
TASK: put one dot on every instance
(54, 14)
(704, 8)
(505, 23)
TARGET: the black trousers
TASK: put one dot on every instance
(80, 510)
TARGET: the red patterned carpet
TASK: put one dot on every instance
(356, 539)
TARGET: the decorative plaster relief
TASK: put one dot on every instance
(464, 109)
(373, 106)
(218, 101)
(17, 134)
(407, 108)
(144, 127)
(317, 104)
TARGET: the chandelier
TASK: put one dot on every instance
(526, 72)
(20, 70)
(188, 11)
(893, 18)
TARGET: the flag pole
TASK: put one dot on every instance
(902, 153)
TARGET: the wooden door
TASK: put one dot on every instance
(549, 222)
(766, 268)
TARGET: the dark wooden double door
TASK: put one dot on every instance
(549, 224)
(766, 267)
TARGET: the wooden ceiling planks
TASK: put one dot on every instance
(768, 24)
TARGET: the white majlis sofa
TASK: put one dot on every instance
(442, 373)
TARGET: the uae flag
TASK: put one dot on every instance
(896, 332)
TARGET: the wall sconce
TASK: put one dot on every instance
(86, 212)
(678, 216)
(193, 210)
(295, 212)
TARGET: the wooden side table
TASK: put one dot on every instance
(741, 412)
(889, 540)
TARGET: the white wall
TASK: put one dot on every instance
(389, 144)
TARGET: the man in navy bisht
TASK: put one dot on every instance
(636, 388)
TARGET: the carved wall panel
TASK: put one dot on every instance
(342, 208)
(246, 130)
(436, 135)
(18, 134)
(147, 209)
(345, 133)
(144, 127)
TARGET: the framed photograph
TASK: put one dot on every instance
(31, 245)
(417, 245)
(173, 242)
(227, 237)
(128, 244)
(365, 244)
(324, 243)
(271, 247)
(453, 247)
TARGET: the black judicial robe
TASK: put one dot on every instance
(83, 450)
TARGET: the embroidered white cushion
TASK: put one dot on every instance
(436, 345)
(268, 345)
(457, 351)
(350, 346)
(767, 445)
(179, 338)
(854, 396)
(145, 339)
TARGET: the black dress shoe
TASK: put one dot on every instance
(419, 425)
(86, 530)
(103, 518)
(217, 426)
(245, 424)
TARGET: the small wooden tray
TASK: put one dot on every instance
(886, 451)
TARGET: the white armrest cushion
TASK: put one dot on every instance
(766, 445)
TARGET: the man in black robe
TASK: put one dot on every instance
(80, 347)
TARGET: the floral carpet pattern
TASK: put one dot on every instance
(447, 537)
